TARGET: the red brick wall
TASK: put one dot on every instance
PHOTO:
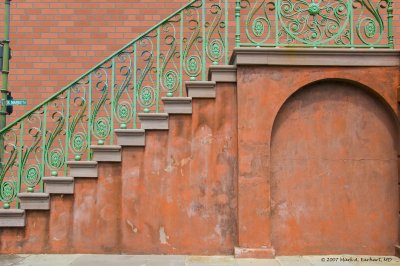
(54, 42)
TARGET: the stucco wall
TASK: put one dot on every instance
(175, 196)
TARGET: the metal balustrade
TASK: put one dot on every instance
(315, 23)
(135, 78)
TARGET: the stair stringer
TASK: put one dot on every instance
(203, 212)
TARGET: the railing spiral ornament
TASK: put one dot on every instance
(317, 23)
(9, 186)
(215, 34)
(170, 78)
(370, 25)
(192, 55)
(156, 64)
(146, 83)
(54, 148)
(77, 132)
(123, 108)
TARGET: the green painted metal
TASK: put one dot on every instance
(4, 76)
(45, 151)
(135, 88)
(226, 24)
(88, 136)
(20, 173)
(237, 22)
(67, 132)
(157, 63)
(390, 23)
(113, 102)
(310, 23)
(203, 40)
(158, 71)
(181, 58)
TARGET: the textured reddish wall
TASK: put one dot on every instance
(261, 93)
(334, 187)
(175, 196)
(189, 192)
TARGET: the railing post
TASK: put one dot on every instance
(237, 17)
(90, 120)
(390, 23)
(181, 54)
(204, 43)
(135, 86)
(226, 32)
(45, 151)
(67, 131)
(5, 71)
(20, 170)
(113, 103)
(158, 71)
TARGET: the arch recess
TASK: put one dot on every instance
(334, 171)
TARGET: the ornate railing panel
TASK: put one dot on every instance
(110, 96)
(315, 23)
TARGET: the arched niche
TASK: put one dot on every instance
(334, 173)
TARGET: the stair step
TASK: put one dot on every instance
(106, 153)
(131, 137)
(12, 218)
(34, 201)
(83, 169)
(177, 105)
(201, 89)
(158, 121)
(222, 73)
(59, 184)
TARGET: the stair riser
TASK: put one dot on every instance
(12, 222)
(89, 172)
(60, 188)
(138, 141)
(12, 218)
(107, 156)
(203, 93)
(36, 204)
(178, 108)
(222, 74)
(155, 124)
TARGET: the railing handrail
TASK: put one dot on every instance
(54, 96)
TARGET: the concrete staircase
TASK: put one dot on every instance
(64, 185)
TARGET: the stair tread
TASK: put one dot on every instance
(138, 130)
(58, 178)
(153, 115)
(106, 147)
(83, 163)
(11, 212)
(33, 195)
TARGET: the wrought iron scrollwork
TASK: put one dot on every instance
(317, 23)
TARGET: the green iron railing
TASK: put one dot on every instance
(315, 23)
(156, 64)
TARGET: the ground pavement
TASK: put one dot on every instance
(126, 260)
